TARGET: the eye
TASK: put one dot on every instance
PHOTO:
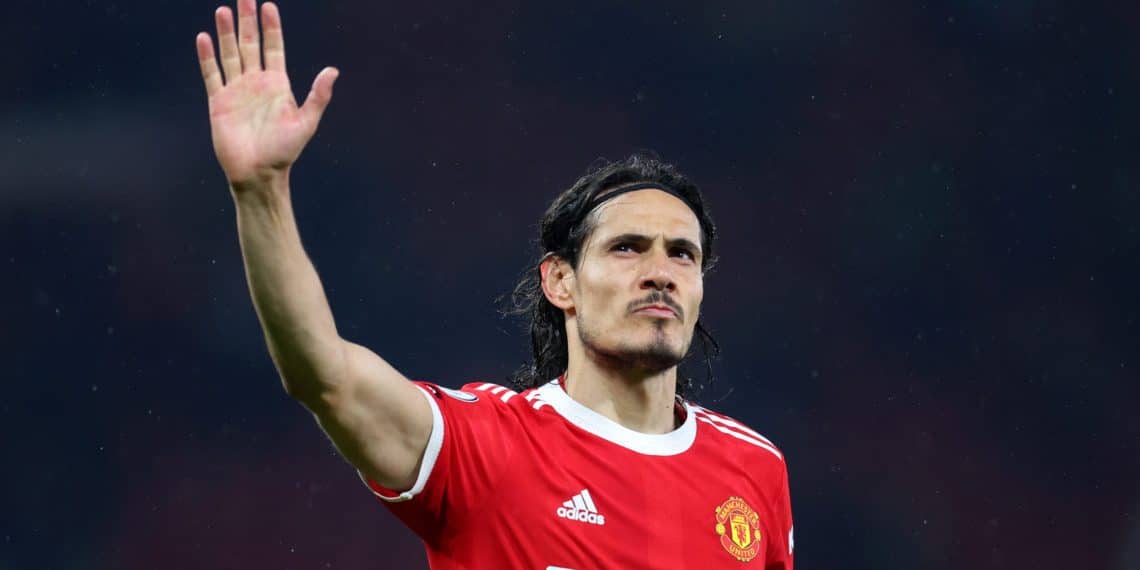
(688, 254)
(624, 246)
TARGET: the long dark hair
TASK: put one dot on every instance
(564, 228)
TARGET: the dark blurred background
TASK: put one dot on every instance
(927, 293)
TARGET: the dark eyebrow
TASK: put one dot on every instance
(640, 238)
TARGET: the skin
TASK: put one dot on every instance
(378, 420)
(256, 125)
(622, 363)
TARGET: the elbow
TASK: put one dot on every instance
(316, 386)
(312, 390)
(315, 396)
(303, 391)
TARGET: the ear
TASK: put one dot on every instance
(557, 278)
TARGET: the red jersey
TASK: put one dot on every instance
(537, 480)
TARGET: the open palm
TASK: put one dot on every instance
(257, 127)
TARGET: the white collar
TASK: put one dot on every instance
(671, 443)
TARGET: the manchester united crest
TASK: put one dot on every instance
(739, 529)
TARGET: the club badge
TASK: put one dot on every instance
(739, 529)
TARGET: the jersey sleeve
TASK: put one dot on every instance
(782, 554)
(471, 443)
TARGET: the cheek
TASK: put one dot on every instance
(602, 293)
(694, 308)
(696, 289)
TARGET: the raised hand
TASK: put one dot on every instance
(257, 127)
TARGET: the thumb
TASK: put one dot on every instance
(319, 97)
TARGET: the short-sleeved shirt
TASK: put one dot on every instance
(537, 480)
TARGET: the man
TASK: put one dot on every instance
(597, 463)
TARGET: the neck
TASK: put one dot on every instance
(642, 402)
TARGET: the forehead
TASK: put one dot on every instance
(649, 212)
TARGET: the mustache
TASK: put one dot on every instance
(658, 298)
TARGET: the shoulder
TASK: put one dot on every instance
(487, 396)
(482, 409)
(489, 391)
(530, 399)
(727, 431)
(471, 392)
(482, 398)
(471, 400)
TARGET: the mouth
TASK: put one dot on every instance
(657, 311)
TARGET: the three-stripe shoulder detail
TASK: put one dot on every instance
(504, 394)
(733, 428)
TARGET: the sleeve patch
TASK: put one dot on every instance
(460, 395)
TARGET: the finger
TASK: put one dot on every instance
(227, 43)
(318, 99)
(249, 41)
(274, 38)
(209, 65)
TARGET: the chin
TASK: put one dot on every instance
(654, 356)
(652, 348)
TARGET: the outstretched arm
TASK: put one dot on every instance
(376, 418)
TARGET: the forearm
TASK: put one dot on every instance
(287, 292)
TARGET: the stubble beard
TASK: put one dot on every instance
(649, 358)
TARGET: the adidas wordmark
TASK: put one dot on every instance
(581, 507)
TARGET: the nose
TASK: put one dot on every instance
(658, 274)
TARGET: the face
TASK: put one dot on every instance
(644, 250)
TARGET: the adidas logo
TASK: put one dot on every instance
(581, 507)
